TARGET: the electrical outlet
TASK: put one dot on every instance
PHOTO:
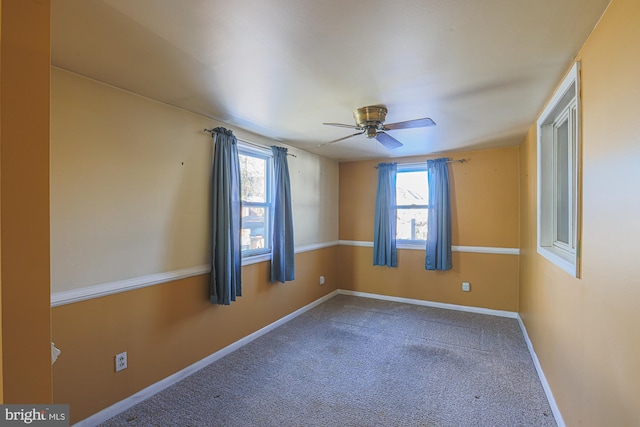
(321, 280)
(121, 361)
(466, 287)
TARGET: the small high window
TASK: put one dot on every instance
(559, 174)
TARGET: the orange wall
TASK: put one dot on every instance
(493, 278)
(167, 327)
(24, 194)
(484, 211)
(585, 331)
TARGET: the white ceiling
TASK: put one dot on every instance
(481, 69)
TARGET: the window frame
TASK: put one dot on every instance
(567, 115)
(259, 254)
(404, 168)
(563, 107)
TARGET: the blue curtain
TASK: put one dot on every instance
(282, 255)
(439, 220)
(226, 255)
(384, 232)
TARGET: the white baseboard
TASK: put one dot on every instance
(490, 312)
(143, 394)
(545, 385)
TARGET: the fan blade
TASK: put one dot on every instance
(388, 141)
(417, 123)
(342, 125)
(340, 139)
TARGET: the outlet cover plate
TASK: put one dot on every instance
(121, 361)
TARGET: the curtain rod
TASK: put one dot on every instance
(419, 163)
(250, 143)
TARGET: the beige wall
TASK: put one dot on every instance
(585, 331)
(130, 186)
(484, 212)
(129, 197)
(24, 201)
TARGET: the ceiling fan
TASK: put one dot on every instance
(370, 122)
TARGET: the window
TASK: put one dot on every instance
(558, 176)
(412, 203)
(256, 189)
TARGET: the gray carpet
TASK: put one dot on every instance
(355, 361)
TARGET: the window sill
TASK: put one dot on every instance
(255, 259)
(566, 261)
(411, 245)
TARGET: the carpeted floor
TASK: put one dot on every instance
(355, 361)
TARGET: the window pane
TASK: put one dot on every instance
(562, 183)
(254, 221)
(411, 224)
(412, 188)
(253, 172)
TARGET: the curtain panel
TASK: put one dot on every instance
(384, 233)
(283, 251)
(438, 256)
(226, 255)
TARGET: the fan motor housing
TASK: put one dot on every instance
(371, 119)
(370, 116)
